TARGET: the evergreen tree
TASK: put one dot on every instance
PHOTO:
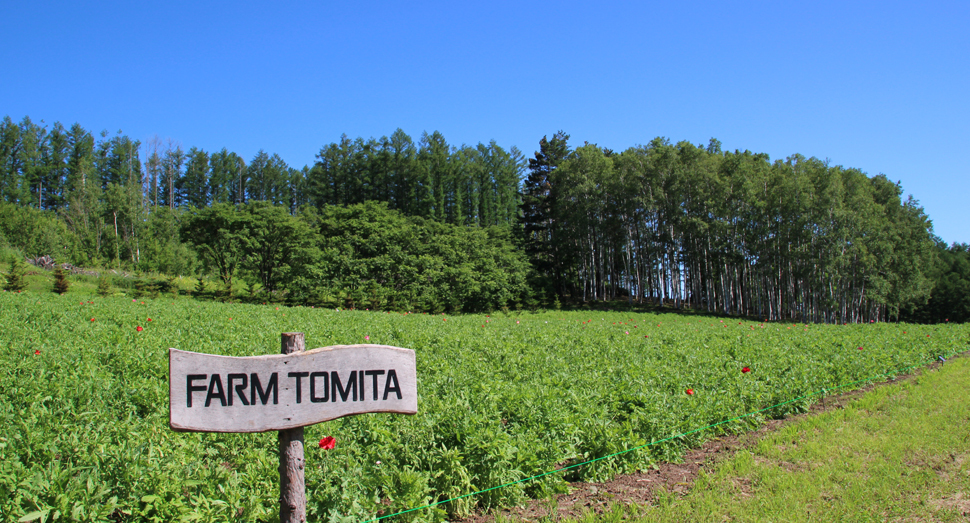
(194, 185)
(538, 207)
(104, 287)
(15, 277)
(61, 283)
(200, 286)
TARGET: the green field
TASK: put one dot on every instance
(83, 403)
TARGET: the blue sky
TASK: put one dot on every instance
(881, 86)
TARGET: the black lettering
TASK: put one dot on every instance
(392, 376)
(299, 381)
(313, 387)
(336, 387)
(360, 384)
(256, 389)
(374, 374)
(240, 389)
(189, 389)
(215, 391)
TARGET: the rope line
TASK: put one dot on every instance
(563, 469)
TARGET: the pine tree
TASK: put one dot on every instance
(104, 288)
(61, 284)
(15, 278)
(539, 195)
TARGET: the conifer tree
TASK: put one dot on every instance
(15, 278)
(61, 284)
(104, 288)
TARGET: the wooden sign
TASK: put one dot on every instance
(211, 393)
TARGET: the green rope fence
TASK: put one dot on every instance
(563, 469)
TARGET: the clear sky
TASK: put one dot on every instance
(881, 86)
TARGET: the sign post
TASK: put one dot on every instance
(286, 392)
(292, 482)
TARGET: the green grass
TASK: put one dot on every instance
(898, 453)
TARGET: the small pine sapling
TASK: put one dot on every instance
(15, 278)
(61, 284)
(104, 287)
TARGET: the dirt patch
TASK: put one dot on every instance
(958, 502)
(678, 478)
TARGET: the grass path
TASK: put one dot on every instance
(898, 453)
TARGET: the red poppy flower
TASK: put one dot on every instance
(37, 352)
(746, 370)
(139, 329)
(328, 443)
(92, 319)
(690, 392)
(149, 319)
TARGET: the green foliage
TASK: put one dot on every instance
(200, 286)
(155, 287)
(672, 224)
(500, 399)
(61, 284)
(15, 275)
(36, 233)
(104, 287)
(949, 300)
(377, 256)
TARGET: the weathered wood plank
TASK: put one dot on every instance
(212, 393)
(292, 479)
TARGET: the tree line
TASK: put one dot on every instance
(667, 223)
(728, 232)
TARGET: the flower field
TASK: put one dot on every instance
(84, 392)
